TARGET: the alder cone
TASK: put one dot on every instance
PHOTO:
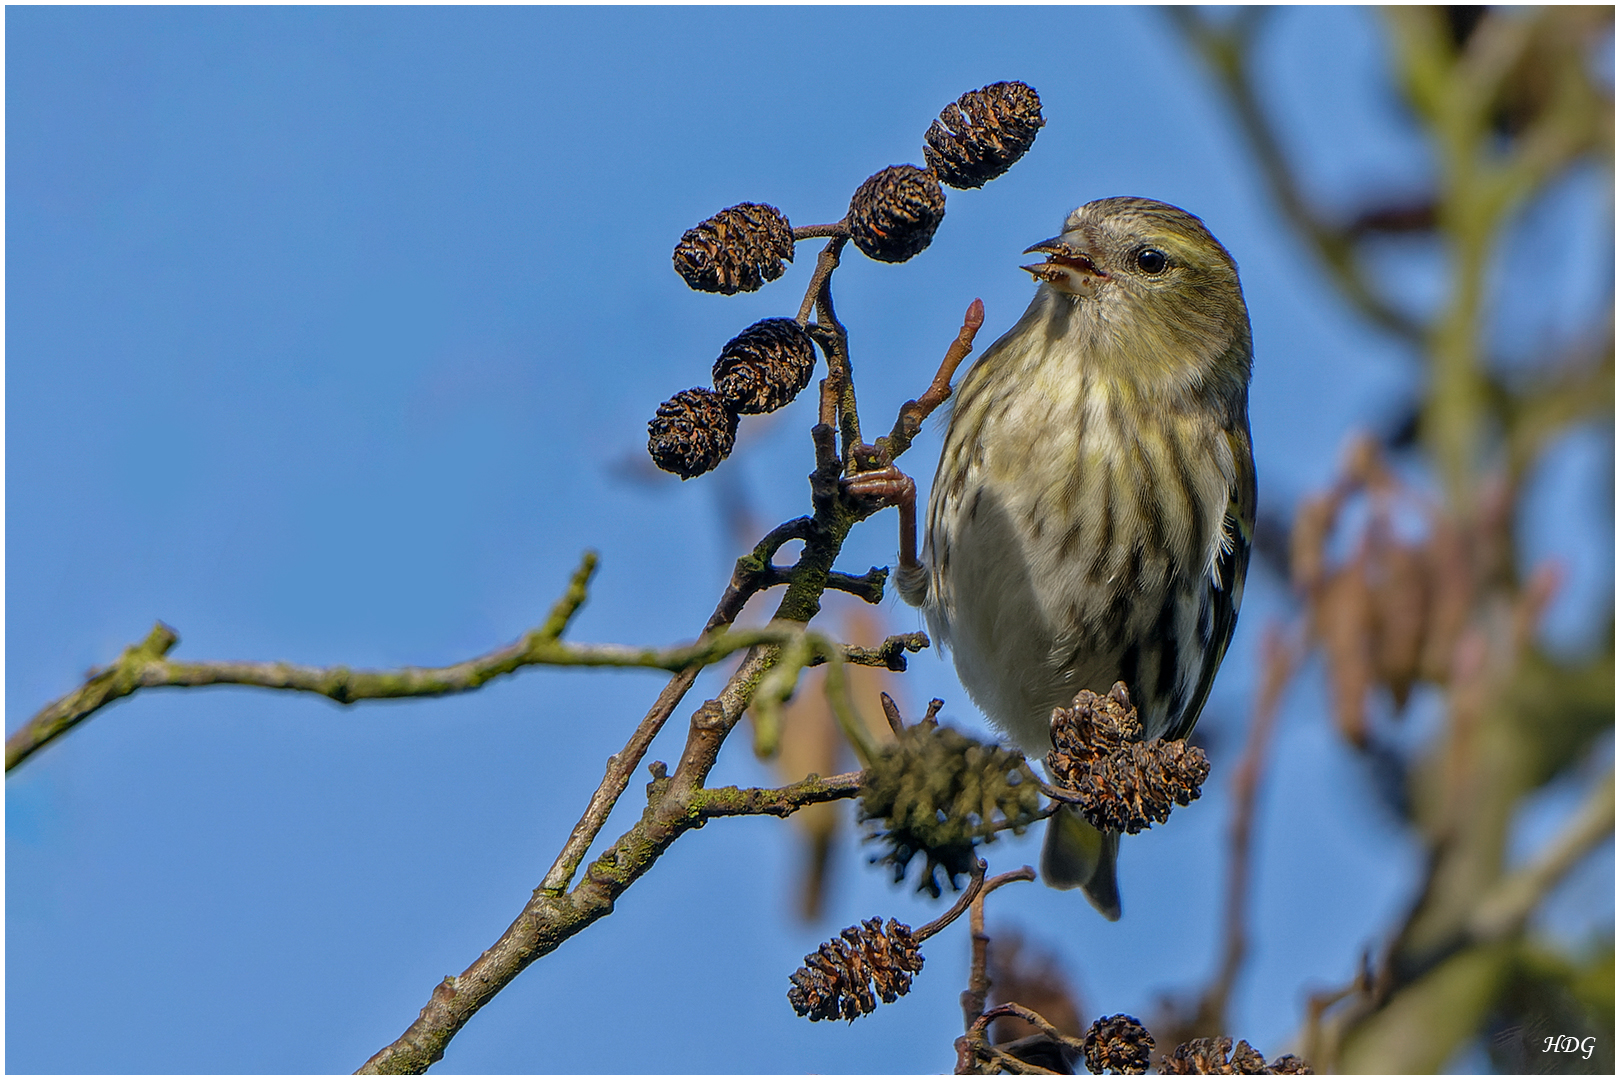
(1218, 1057)
(691, 433)
(849, 974)
(983, 133)
(895, 212)
(737, 250)
(1124, 784)
(1118, 1044)
(765, 367)
(937, 792)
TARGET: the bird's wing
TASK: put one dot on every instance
(1224, 585)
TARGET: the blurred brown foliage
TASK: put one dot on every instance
(1405, 584)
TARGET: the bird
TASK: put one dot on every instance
(1092, 512)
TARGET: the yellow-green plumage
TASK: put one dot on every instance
(1091, 515)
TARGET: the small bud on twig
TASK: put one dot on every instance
(895, 212)
(691, 433)
(737, 250)
(983, 133)
(764, 367)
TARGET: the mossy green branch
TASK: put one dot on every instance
(549, 919)
(783, 801)
(1480, 187)
(121, 679)
(146, 666)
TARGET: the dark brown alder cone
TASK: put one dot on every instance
(1217, 1057)
(983, 133)
(1118, 1044)
(848, 974)
(895, 212)
(691, 433)
(737, 250)
(1125, 785)
(764, 367)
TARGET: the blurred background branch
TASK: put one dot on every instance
(1510, 104)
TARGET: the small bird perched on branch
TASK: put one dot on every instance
(1091, 516)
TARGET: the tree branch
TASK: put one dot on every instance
(781, 802)
(1226, 52)
(913, 413)
(748, 577)
(145, 665)
(1502, 911)
(674, 801)
(811, 232)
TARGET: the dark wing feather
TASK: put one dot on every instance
(1225, 586)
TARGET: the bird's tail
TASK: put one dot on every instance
(1078, 856)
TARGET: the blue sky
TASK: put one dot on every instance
(329, 332)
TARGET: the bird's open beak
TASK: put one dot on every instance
(1066, 266)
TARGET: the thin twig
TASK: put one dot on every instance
(811, 232)
(868, 587)
(976, 1043)
(891, 654)
(978, 987)
(1029, 1016)
(782, 801)
(748, 577)
(826, 263)
(833, 338)
(912, 414)
(891, 713)
(973, 998)
(969, 894)
(146, 665)
(552, 915)
(1503, 910)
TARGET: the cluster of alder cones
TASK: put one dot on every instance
(892, 216)
(847, 976)
(1121, 783)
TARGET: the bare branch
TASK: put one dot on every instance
(1503, 910)
(555, 912)
(1226, 52)
(913, 413)
(782, 801)
(891, 654)
(812, 232)
(891, 713)
(747, 577)
(146, 666)
(826, 263)
(969, 894)
(868, 587)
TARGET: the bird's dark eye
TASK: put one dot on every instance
(1151, 260)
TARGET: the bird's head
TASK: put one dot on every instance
(1150, 281)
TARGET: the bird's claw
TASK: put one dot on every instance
(887, 486)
